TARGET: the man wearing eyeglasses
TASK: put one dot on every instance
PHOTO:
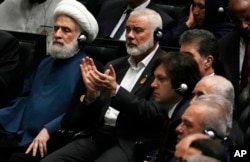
(234, 48)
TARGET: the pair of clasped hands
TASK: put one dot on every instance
(97, 82)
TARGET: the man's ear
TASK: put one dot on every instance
(209, 61)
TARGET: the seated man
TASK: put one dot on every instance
(123, 90)
(199, 144)
(10, 68)
(32, 16)
(220, 86)
(207, 113)
(33, 118)
(203, 45)
(209, 15)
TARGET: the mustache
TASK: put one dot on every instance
(61, 41)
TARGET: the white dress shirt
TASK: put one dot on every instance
(128, 82)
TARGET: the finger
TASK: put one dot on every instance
(41, 149)
(29, 148)
(92, 63)
(34, 148)
(112, 71)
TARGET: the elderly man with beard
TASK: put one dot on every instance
(28, 123)
(119, 106)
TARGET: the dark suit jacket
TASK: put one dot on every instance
(10, 68)
(167, 148)
(229, 56)
(111, 12)
(139, 115)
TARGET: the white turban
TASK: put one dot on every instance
(80, 14)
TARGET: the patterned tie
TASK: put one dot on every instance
(121, 29)
(245, 72)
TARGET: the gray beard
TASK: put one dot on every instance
(65, 52)
(139, 50)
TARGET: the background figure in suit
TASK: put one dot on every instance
(233, 47)
(10, 68)
(35, 115)
(202, 15)
(220, 86)
(118, 105)
(176, 75)
(112, 14)
(207, 112)
(203, 45)
(31, 16)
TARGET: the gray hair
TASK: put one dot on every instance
(154, 18)
(203, 158)
(218, 117)
(220, 86)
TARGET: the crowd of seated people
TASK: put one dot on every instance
(136, 104)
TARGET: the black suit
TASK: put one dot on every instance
(229, 53)
(139, 117)
(10, 68)
(167, 147)
(111, 12)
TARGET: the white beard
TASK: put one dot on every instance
(134, 50)
(64, 52)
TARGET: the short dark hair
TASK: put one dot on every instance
(206, 42)
(181, 68)
(210, 147)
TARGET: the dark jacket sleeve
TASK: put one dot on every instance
(10, 69)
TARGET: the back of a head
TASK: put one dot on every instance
(201, 158)
(219, 85)
(209, 147)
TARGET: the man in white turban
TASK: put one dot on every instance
(33, 118)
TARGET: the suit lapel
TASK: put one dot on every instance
(147, 75)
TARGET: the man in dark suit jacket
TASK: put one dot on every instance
(232, 47)
(202, 15)
(112, 11)
(10, 68)
(128, 112)
(183, 73)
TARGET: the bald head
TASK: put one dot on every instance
(215, 84)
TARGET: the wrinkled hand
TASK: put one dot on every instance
(87, 66)
(39, 143)
(191, 22)
(105, 81)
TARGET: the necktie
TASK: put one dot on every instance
(245, 72)
(121, 28)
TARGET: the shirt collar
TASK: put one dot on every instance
(171, 111)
